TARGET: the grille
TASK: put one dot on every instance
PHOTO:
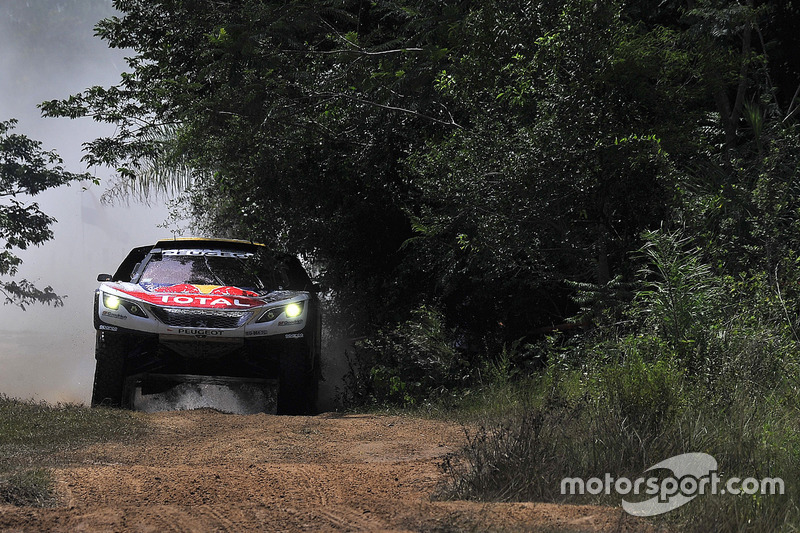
(207, 318)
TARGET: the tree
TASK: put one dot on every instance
(561, 167)
(25, 171)
(294, 117)
(478, 154)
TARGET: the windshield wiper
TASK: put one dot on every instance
(213, 274)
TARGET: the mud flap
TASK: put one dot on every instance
(179, 392)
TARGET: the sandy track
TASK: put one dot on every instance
(207, 471)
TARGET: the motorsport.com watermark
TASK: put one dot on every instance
(693, 474)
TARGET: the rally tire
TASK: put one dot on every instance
(297, 384)
(109, 374)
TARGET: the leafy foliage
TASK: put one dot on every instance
(25, 171)
(412, 364)
(292, 116)
(683, 299)
(525, 455)
(491, 159)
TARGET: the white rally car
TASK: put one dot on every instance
(208, 307)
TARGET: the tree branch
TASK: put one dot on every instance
(359, 51)
(451, 122)
(791, 112)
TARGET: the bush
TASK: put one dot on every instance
(413, 363)
(645, 392)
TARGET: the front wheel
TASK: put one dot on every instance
(109, 374)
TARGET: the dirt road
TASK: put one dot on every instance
(207, 471)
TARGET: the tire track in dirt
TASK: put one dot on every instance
(206, 471)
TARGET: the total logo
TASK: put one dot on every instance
(204, 301)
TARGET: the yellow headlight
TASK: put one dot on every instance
(293, 310)
(111, 301)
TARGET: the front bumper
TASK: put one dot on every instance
(245, 358)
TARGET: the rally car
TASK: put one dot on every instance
(208, 307)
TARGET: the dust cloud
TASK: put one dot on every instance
(227, 395)
(48, 51)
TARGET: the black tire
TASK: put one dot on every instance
(109, 374)
(297, 384)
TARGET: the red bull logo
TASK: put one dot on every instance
(219, 298)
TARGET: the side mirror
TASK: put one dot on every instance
(104, 277)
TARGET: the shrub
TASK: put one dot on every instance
(413, 363)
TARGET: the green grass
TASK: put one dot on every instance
(36, 436)
(28, 488)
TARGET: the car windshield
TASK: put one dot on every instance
(215, 267)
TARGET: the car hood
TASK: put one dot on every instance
(200, 296)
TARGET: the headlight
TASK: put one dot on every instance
(111, 301)
(292, 310)
(114, 302)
